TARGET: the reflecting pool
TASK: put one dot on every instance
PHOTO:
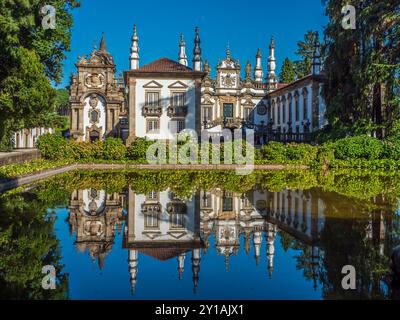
(199, 235)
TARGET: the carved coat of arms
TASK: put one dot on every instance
(94, 80)
(229, 80)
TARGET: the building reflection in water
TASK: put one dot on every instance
(95, 217)
(162, 226)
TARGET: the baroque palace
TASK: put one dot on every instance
(164, 97)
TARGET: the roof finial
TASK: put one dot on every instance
(182, 59)
(134, 57)
(102, 43)
(316, 61)
(272, 44)
(258, 71)
(271, 77)
(228, 51)
(197, 60)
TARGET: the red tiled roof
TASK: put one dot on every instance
(282, 85)
(164, 65)
(162, 254)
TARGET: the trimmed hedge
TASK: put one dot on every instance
(359, 147)
(358, 151)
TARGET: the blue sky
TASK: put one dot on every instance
(244, 25)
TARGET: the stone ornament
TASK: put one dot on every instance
(262, 110)
(229, 80)
(93, 102)
(94, 80)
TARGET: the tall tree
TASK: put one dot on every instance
(362, 64)
(287, 74)
(30, 57)
(305, 51)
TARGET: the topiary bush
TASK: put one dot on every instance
(359, 147)
(114, 149)
(53, 147)
(138, 149)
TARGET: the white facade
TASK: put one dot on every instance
(298, 107)
(26, 138)
(94, 115)
(167, 123)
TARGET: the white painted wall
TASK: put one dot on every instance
(101, 107)
(22, 142)
(164, 222)
(165, 132)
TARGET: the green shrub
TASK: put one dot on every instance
(53, 147)
(138, 149)
(359, 147)
(301, 152)
(86, 150)
(391, 148)
(326, 154)
(114, 149)
(274, 152)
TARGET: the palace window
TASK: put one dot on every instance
(177, 126)
(153, 99)
(227, 202)
(151, 220)
(297, 110)
(206, 200)
(305, 107)
(178, 99)
(207, 113)
(279, 114)
(177, 220)
(228, 110)
(290, 111)
(283, 112)
(124, 121)
(273, 112)
(247, 114)
(152, 196)
(152, 125)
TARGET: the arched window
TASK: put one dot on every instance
(297, 107)
(305, 104)
(290, 99)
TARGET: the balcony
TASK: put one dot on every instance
(181, 111)
(152, 111)
(176, 208)
(148, 208)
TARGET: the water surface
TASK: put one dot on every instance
(198, 236)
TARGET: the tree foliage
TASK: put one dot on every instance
(288, 74)
(362, 65)
(305, 51)
(30, 57)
